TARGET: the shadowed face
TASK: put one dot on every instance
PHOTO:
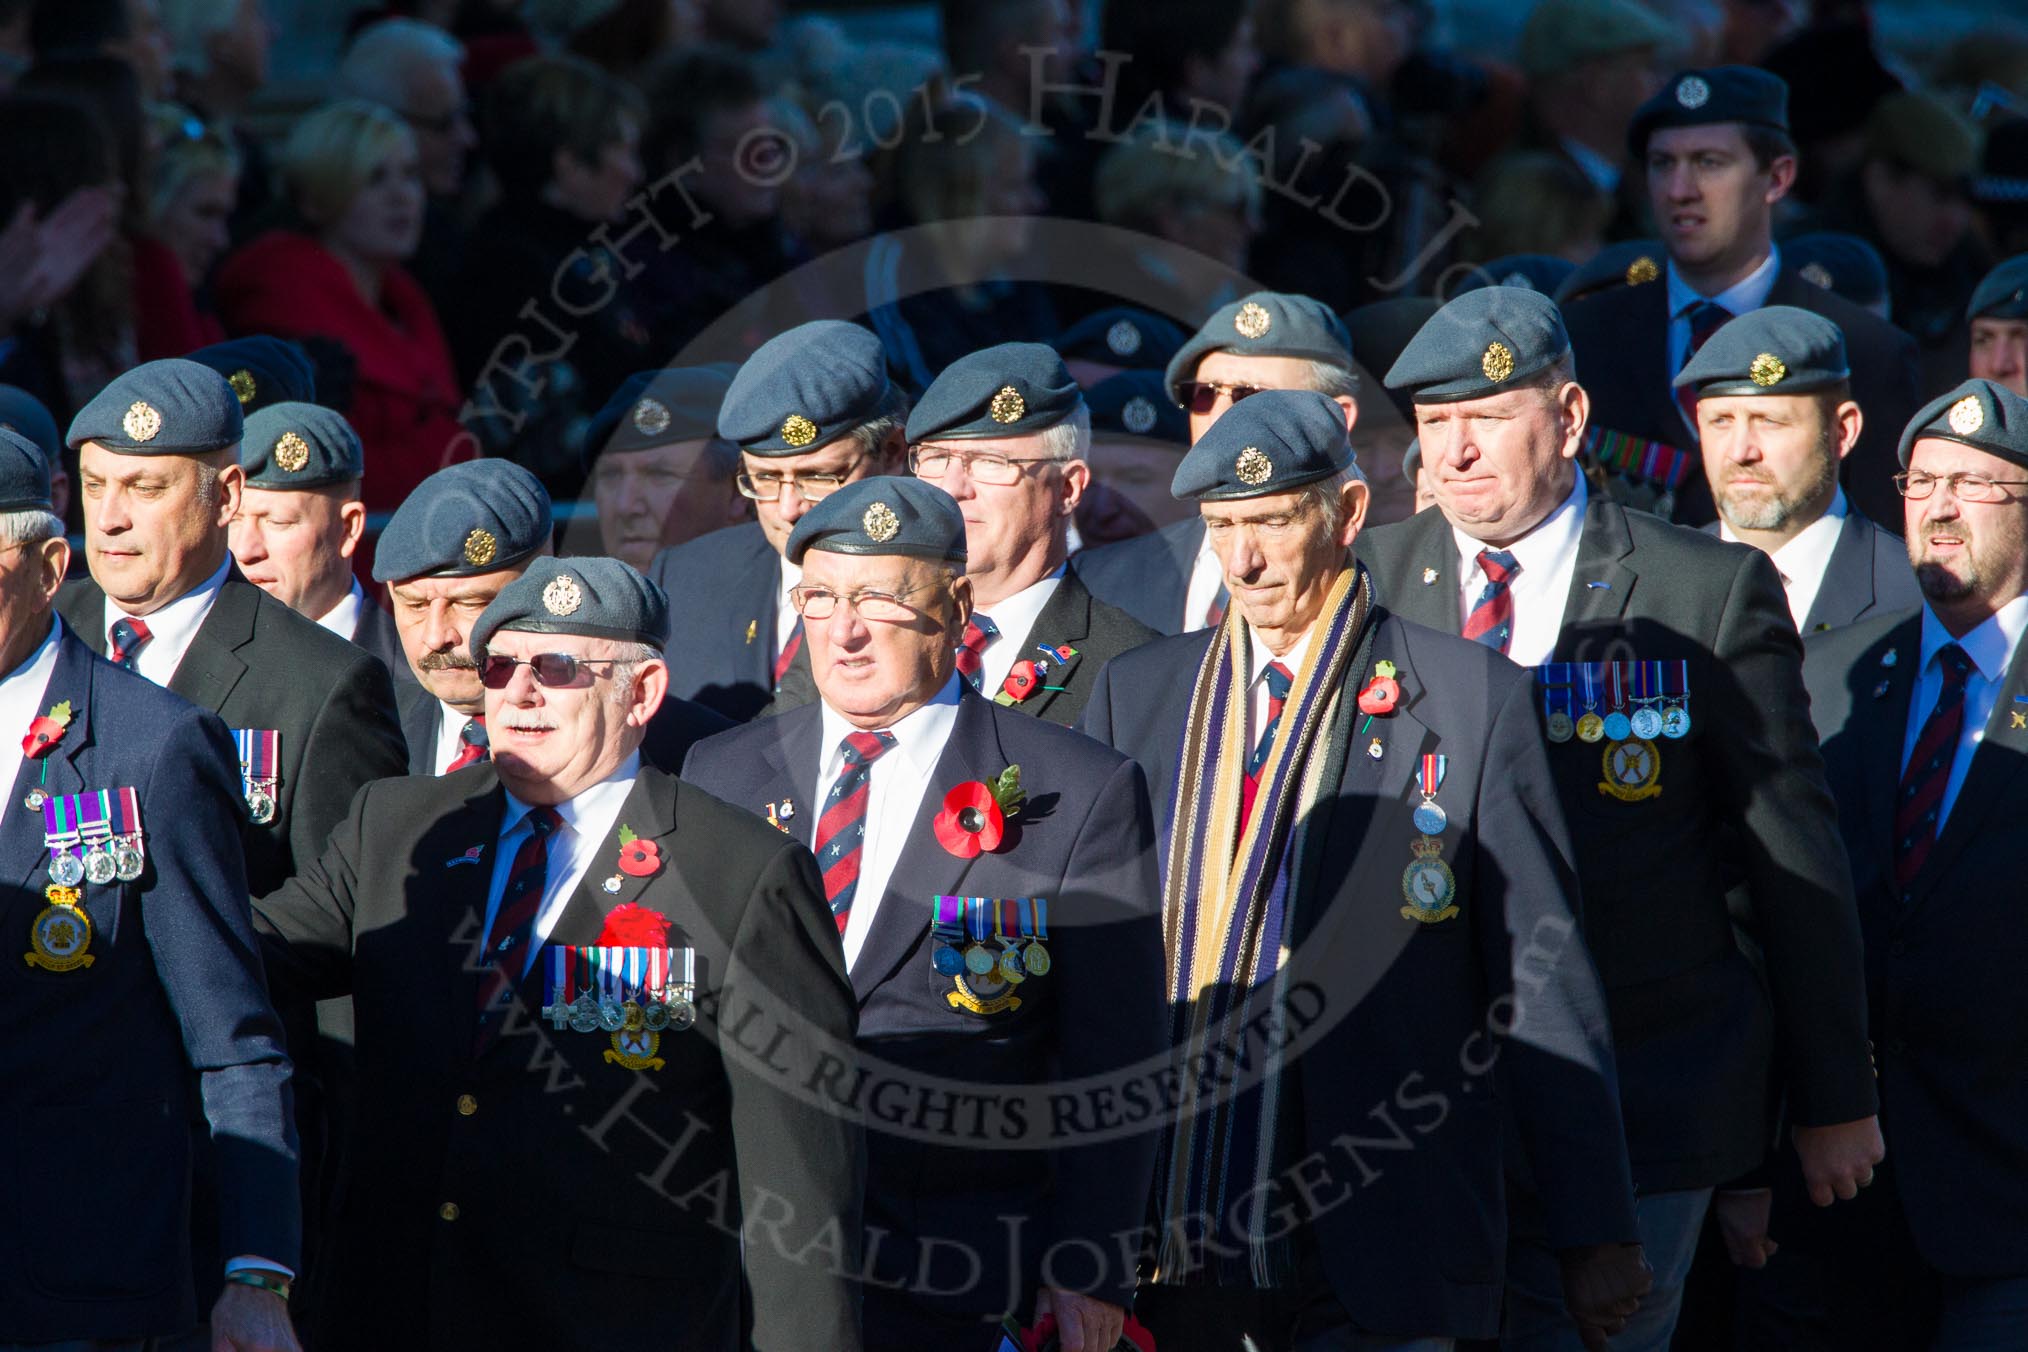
(434, 615)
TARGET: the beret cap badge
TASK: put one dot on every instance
(651, 417)
(1123, 339)
(1816, 274)
(1138, 415)
(1253, 320)
(798, 430)
(242, 383)
(1498, 363)
(1007, 406)
(1692, 91)
(1253, 468)
(142, 422)
(480, 547)
(1966, 416)
(562, 596)
(292, 452)
(1767, 369)
(880, 523)
(1642, 270)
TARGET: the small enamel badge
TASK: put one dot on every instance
(470, 856)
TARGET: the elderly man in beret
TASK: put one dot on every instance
(982, 1198)
(263, 370)
(1310, 700)
(1998, 315)
(811, 410)
(301, 520)
(563, 963)
(1775, 417)
(1718, 158)
(141, 963)
(662, 475)
(1170, 580)
(1922, 716)
(1669, 681)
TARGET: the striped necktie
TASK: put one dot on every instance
(1278, 679)
(1706, 318)
(1492, 619)
(841, 831)
(472, 746)
(514, 924)
(1919, 801)
(979, 631)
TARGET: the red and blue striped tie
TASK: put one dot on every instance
(514, 924)
(841, 831)
(1920, 799)
(129, 637)
(1492, 619)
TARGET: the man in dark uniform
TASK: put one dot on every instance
(140, 1011)
(1170, 580)
(1309, 705)
(1775, 416)
(540, 1169)
(1639, 630)
(981, 1198)
(812, 409)
(301, 520)
(263, 370)
(1924, 717)
(1718, 158)
(1998, 316)
(1004, 432)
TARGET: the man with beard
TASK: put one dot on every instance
(1924, 719)
(1775, 416)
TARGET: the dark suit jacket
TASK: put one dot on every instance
(376, 633)
(1743, 804)
(1147, 576)
(1037, 1177)
(108, 1066)
(1867, 574)
(1418, 1248)
(594, 1204)
(257, 664)
(1073, 616)
(677, 726)
(1620, 337)
(1944, 962)
(722, 589)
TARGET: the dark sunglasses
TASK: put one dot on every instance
(1199, 395)
(556, 671)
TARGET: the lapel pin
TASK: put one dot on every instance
(1600, 586)
(1880, 691)
(1889, 658)
(1429, 575)
(2020, 719)
(470, 856)
(1374, 749)
(752, 627)
(612, 884)
(779, 815)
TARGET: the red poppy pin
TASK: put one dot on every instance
(638, 858)
(634, 926)
(1382, 693)
(975, 814)
(45, 732)
(1021, 681)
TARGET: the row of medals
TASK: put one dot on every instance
(1013, 963)
(1647, 723)
(676, 1011)
(103, 861)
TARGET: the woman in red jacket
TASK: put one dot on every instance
(353, 181)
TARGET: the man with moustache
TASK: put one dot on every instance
(660, 474)
(1998, 316)
(1775, 417)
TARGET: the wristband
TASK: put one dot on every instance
(272, 1282)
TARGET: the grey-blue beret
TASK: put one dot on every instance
(887, 514)
(22, 412)
(1698, 98)
(2001, 293)
(171, 407)
(290, 445)
(804, 388)
(1134, 403)
(592, 597)
(477, 516)
(656, 408)
(1006, 391)
(24, 474)
(1842, 264)
(1121, 336)
(1977, 413)
(1270, 443)
(1482, 343)
(262, 370)
(1631, 262)
(1264, 324)
(1777, 349)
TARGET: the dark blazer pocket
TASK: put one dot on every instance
(110, 1195)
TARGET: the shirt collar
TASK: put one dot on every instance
(1746, 295)
(1810, 545)
(1540, 548)
(918, 738)
(343, 618)
(172, 625)
(1292, 659)
(1990, 646)
(792, 573)
(604, 796)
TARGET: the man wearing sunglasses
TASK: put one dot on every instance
(811, 410)
(540, 1170)
(1270, 340)
(965, 1006)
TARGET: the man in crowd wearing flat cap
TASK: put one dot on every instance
(661, 475)
(140, 1021)
(1668, 678)
(913, 789)
(1775, 416)
(262, 370)
(1311, 704)
(1717, 154)
(811, 410)
(1998, 316)
(301, 520)
(1170, 580)
(564, 962)
(1004, 431)
(1924, 717)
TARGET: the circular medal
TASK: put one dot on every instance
(1590, 728)
(62, 936)
(1617, 726)
(260, 805)
(656, 1016)
(1676, 723)
(1010, 967)
(978, 961)
(35, 799)
(128, 861)
(66, 870)
(1036, 959)
(681, 1014)
(947, 960)
(584, 1014)
(1561, 729)
(99, 866)
(611, 1017)
(1647, 724)
(632, 1016)
(1430, 819)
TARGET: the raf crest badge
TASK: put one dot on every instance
(480, 547)
(880, 523)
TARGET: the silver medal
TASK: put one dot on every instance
(128, 861)
(260, 805)
(584, 1014)
(1561, 729)
(1431, 819)
(655, 1017)
(611, 1017)
(66, 870)
(1647, 724)
(1676, 723)
(99, 866)
(681, 1014)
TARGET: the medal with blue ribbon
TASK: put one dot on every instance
(1618, 727)
(1557, 722)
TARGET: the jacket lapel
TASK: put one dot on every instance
(753, 609)
(471, 832)
(27, 856)
(1066, 620)
(1994, 767)
(1602, 584)
(1846, 591)
(792, 758)
(1880, 715)
(1426, 592)
(650, 809)
(211, 665)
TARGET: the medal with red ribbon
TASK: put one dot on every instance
(260, 759)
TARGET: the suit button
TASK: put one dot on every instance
(467, 1105)
(448, 1211)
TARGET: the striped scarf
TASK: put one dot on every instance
(1229, 907)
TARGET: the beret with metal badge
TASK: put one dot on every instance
(170, 407)
(24, 474)
(805, 388)
(1484, 342)
(2001, 293)
(262, 370)
(887, 514)
(1700, 98)
(1275, 441)
(1978, 413)
(1134, 403)
(291, 445)
(1264, 324)
(1777, 349)
(1121, 336)
(655, 408)
(1006, 391)
(1843, 264)
(1630, 262)
(592, 597)
(474, 517)
(22, 412)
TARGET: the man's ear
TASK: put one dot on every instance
(353, 515)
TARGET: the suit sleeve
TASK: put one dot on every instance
(1096, 721)
(1557, 1063)
(800, 1161)
(1799, 886)
(201, 934)
(306, 923)
(355, 739)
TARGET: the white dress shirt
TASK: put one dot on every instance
(1548, 559)
(588, 821)
(1207, 579)
(343, 618)
(1014, 616)
(1257, 691)
(895, 786)
(1802, 561)
(785, 609)
(171, 628)
(1742, 297)
(22, 692)
(450, 727)
(1991, 648)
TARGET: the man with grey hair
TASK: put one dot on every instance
(1269, 340)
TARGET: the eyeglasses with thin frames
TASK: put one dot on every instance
(1917, 485)
(766, 487)
(986, 467)
(819, 603)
